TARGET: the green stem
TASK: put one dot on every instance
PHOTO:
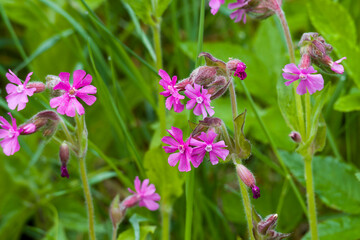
(273, 147)
(311, 197)
(88, 198)
(190, 176)
(308, 115)
(247, 206)
(114, 233)
(161, 102)
(165, 214)
(189, 188)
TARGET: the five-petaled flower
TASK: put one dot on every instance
(216, 150)
(81, 88)
(171, 92)
(144, 194)
(308, 81)
(239, 13)
(199, 97)
(184, 154)
(10, 133)
(18, 95)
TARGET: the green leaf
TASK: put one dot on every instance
(243, 146)
(357, 175)
(167, 179)
(348, 103)
(346, 227)
(286, 100)
(162, 5)
(335, 182)
(144, 232)
(143, 9)
(135, 221)
(329, 18)
(320, 138)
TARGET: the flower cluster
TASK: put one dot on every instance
(259, 9)
(193, 149)
(313, 49)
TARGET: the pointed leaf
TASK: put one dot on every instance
(242, 145)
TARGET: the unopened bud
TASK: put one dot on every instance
(248, 178)
(64, 155)
(218, 87)
(51, 82)
(206, 124)
(295, 136)
(203, 75)
(116, 212)
(47, 119)
(267, 224)
(39, 86)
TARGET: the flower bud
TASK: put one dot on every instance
(218, 87)
(268, 223)
(248, 178)
(64, 155)
(295, 136)
(51, 82)
(116, 212)
(39, 86)
(203, 75)
(48, 120)
(206, 124)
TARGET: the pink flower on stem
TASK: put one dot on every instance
(144, 194)
(308, 81)
(17, 92)
(199, 97)
(215, 5)
(336, 67)
(10, 133)
(240, 71)
(171, 92)
(215, 150)
(67, 103)
(184, 154)
(239, 13)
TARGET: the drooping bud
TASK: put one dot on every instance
(48, 120)
(267, 224)
(248, 178)
(218, 87)
(295, 136)
(116, 212)
(39, 86)
(64, 155)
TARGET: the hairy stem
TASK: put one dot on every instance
(311, 198)
(114, 233)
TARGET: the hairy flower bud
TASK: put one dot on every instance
(218, 87)
(295, 136)
(64, 155)
(116, 212)
(203, 75)
(207, 124)
(268, 223)
(51, 82)
(48, 120)
(248, 178)
(39, 86)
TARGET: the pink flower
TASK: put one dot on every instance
(215, 150)
(239, 13)
(171, 92)
(336, 67)
(199, 97)
(240, 71)
(308, 81)
(68, 103)
(183, 155)
(215, 5)
(18, 93)
(10, 133)
(144, 194)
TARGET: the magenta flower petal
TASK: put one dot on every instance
(144, 195)
(13, 78)
(171, 92)
(199, 98)
(215, 5)
(9, 133)
(67, 103)
(336, 67)
(308, 81)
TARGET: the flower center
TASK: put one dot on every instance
(11, 133)
(171, 89)
(208, 148)
(181, 148)
(72, 92)
(20, 89)
(302, 76)
(199, 100)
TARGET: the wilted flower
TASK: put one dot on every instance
(64, 155)
(177, 143)
(81, 88)
(216, 150)
(295, 136)
(239, 13)
(10, 133)
(144, 194)
(18, 95)
(199, 97)
(336, 67)
(308, 81)
(240, 71)
(171, 92)
(248, 178)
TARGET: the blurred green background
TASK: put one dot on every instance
(112, 41)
